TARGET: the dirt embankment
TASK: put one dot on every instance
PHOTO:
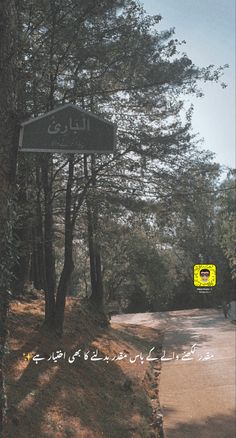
(115, 395)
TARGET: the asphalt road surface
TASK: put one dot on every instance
(197, 385)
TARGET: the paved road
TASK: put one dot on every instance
(197, 386)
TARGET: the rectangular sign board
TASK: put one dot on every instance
(68, 129)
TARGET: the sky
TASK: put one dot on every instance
(208, 27)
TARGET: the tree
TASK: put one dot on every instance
(76, 54)
(9, 131)
(226, 220)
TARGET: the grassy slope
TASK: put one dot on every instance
(85, 399)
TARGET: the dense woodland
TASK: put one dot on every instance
(125, 227)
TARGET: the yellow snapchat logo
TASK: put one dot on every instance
(204, 275)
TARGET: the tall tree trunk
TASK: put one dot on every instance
(90, 236)
(8, 130)
(68, 254)
(23, 232)
(93, 241)
(48, 243)
(99, 292)
(38, 270)
(47, 166)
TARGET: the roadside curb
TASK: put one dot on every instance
(151, 383)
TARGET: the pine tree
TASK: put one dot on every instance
(8, 138)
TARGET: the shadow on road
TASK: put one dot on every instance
(182, 328)
(219, 426)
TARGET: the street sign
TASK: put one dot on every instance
(68, 129)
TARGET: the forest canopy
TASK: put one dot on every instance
(125, 227)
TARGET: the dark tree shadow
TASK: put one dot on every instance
(51, 399)
(220, 426)
(179, 336)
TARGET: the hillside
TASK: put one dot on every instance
(108, 398)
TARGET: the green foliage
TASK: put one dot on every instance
(111, 58)
(135, 271)
(227, 220)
